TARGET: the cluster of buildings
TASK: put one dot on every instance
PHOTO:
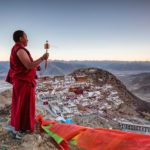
(64, 97)
(67, 96)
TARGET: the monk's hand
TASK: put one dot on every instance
(38, 68)
(45, 56)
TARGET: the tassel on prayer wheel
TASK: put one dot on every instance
(46, 46)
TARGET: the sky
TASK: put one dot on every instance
(78, 29)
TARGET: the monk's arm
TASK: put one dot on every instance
(24, 58)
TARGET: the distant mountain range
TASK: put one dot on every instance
(57, 67)
(116, 65)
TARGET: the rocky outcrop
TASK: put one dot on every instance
(101, 77)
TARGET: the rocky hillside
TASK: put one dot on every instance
(102, 101)
(5, 97)
(139, 84)
(102, 77)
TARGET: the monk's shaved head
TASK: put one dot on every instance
(17, 34)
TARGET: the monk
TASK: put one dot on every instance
(21, 75)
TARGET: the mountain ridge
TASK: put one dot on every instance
(58, 67)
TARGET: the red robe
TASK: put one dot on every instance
(23, 95)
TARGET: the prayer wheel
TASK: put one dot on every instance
(46, 46)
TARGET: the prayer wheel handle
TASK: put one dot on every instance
(46, 46)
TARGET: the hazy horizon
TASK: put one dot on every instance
(79, 30)
(86, 60)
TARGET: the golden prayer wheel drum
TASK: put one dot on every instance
(46, 46)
